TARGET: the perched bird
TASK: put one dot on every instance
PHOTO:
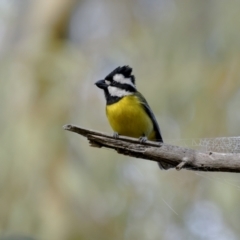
(127, 110)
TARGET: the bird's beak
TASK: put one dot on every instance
(101, 84)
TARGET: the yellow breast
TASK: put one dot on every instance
(127, 117)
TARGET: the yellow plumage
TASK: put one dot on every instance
(127, 117)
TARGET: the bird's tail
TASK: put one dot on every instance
(163, 166)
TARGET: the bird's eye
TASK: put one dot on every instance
(113, 83)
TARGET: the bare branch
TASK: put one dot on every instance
(178, 157)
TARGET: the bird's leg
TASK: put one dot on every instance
(115, 135)
(143, 139)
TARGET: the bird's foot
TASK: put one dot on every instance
(143, 139)
(115, 135)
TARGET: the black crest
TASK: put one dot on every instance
(125, 71)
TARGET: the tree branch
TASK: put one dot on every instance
(178, 157)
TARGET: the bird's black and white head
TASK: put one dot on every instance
(118, 84)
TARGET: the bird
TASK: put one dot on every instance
(128, 112)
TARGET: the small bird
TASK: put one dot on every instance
(127, 110)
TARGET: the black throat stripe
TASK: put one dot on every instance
(111, 99)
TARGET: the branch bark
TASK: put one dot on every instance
(178, 157)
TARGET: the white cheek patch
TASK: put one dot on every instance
(118, 92)
(107, 82)
(121, 79)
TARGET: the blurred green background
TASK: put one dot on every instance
(185, 56)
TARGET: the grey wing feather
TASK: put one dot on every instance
(151, 115)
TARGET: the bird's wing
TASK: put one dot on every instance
(148, 110)
(155, 126)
